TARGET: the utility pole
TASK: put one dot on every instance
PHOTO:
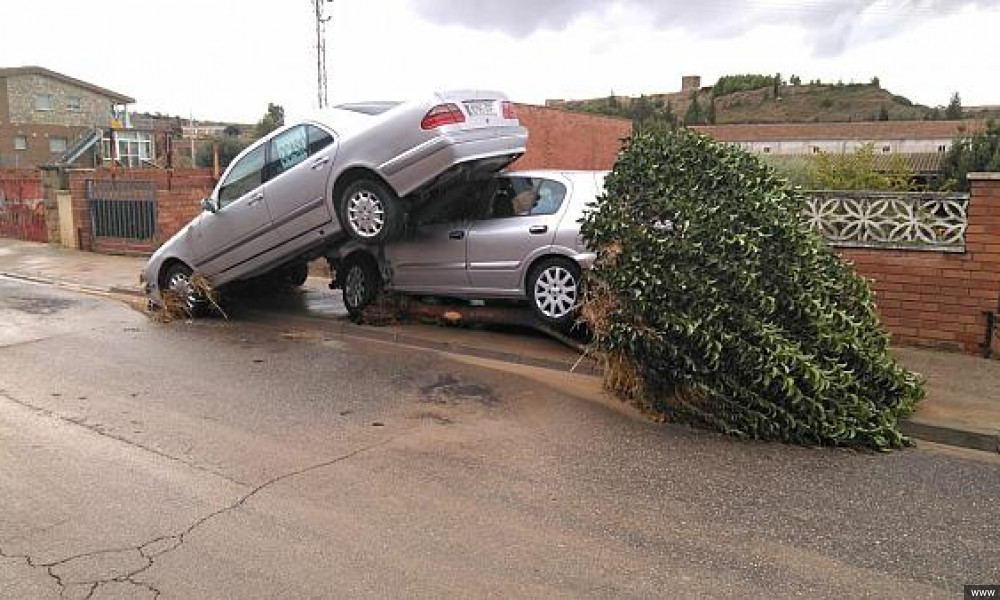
(321, 21)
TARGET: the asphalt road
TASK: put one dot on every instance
(236, 459)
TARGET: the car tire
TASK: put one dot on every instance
(554, 292)
(360, 283)
(370, 211)
(297, 274)
(178, 280)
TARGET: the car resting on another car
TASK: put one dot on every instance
(355, 172)
(515, 236)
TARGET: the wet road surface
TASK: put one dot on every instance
(237, 459)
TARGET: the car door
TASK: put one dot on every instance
(431, 256)
(233, 239)
(299, 161)
(499, 246)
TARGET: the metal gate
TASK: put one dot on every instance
(21, 217)
(122, 214)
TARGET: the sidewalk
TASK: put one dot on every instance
(962, 407)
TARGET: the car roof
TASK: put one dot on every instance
(571, 173)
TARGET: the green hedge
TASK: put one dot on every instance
(713, 304)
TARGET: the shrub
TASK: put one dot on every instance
(712, 304)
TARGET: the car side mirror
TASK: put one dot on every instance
(209, 205)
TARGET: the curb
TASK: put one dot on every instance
(376, 334)
(973, 439)
(69, 285)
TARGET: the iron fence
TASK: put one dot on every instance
(124, 210)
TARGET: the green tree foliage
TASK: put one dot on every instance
(694, 116)
(730, 84)
(876, 82)
(272, 119)
(712, 304)
(860, 170)
(954, 110)
(229, 147)
(968, 154)
(795, 80)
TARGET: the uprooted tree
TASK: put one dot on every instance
(713, 305)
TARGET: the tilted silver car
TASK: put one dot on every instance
(352, 172)
(515, 236)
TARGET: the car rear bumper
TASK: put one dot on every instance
(422, 164)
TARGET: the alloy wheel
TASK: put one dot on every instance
(366, 213)
(555, 292)
(354, 287)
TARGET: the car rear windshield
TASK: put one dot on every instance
(369, 108)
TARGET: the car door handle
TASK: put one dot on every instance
(256, 200)
(320, 163)
(456, 235)
(538, 229)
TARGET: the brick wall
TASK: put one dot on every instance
(178, 196)
(938, 299)
(560, 139)
(22, 205)
(21, 184)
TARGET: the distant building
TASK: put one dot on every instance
(922, 144)
(50, 118)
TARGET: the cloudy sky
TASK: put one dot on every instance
(226, 59)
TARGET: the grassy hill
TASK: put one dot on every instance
(770, 104)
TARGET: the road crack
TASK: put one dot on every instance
(79, 422)
(146, 553)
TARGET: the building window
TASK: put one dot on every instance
(767, 149)
(57, 144)
(942, 148)
(43, 101)
(20, 142)
(816, 150)
(133, 149)
(886, 149)
(73, 104)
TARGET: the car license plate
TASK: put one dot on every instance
(480, 108)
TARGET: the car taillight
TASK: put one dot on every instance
(508, 110)
(442, 114)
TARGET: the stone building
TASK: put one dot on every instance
(50, 118)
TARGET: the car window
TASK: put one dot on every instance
(246, 175)
(318, 139)
(287, 150)
(524, 196)
(458, 202)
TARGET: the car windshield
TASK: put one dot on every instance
(368, 108)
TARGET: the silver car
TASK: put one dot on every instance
(353, 172)
(515, 236)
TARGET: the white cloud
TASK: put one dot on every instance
(227, 59)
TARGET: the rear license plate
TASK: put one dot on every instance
(480, 108)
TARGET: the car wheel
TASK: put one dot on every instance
(371, 212)
(360, 283)
(178, 281)
(554, 291)
(297, 274)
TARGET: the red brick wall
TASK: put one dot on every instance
(938, 299)
(21, 184)
(178, 196)
(560, 139)
(22, 211)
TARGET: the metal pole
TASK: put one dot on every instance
(321, 80)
